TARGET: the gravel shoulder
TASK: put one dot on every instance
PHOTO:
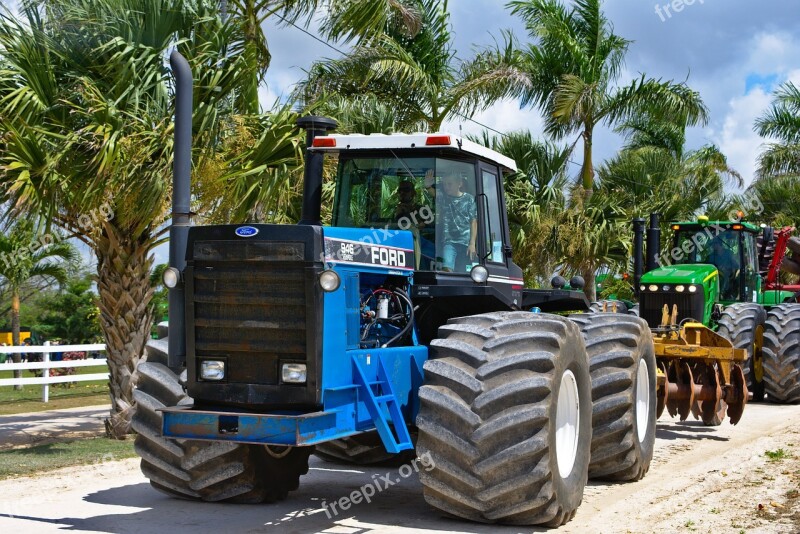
(701, 480)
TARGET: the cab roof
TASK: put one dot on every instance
(691, 225)
(345, 142)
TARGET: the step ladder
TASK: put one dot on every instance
(377, 395)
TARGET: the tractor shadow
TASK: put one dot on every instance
(400, 508)
(687, 430)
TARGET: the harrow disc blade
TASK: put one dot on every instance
(713, 410)
(739, 394)
(663, 391)
(686, 380)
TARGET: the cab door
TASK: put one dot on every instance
(494, 236)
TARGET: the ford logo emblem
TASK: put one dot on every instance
(246, 231)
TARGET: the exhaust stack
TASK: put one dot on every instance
(181, 198)
(653, 242)
(638, 253)
(312, 175)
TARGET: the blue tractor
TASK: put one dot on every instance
(402, 326)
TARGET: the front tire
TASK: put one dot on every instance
(782, 354)
(622, 363)
(203, 470)
(505, 418)
(743, 325)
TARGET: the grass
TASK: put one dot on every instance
(29, 398)
(778, 455)
(41, 458)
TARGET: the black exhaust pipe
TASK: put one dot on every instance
(312, 176)
(638, 256)
(653, 242)
(181, 204)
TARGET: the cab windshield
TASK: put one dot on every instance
(433, 198)
(720, 249)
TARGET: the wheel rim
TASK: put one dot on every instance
(642, 400)
(567, 420)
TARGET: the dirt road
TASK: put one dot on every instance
(701, 480)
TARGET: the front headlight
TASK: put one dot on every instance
(212, 369)
(171, 277)
(479, 274)
(692, 289)
(652, 287)
(293, 373)
(680, 289)
(329, 281)
(642, 287)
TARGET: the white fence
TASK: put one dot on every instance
(47, 364)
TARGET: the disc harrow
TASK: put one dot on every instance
(699, 372)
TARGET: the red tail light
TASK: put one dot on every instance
(324, 142)
(435, 140)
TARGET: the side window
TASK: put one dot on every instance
(493, 227)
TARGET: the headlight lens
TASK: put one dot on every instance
(212, 369)
(680, 289)
(665, 288)
(171, 277)
(652, 287)
(642, 287)
(692, 289)
(293, 373)
(479, 274)
(329, 280)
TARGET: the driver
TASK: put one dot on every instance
(725, 261)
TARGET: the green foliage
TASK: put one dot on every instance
(777, 455)
(413, 70)
(160, 301)
(619, 288)
(70, 314)
(781, 123)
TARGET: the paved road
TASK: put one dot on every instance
(45, 427)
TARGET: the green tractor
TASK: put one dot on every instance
(719, 279)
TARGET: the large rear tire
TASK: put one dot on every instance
(782, 354)
(622, 363)
(204, 470)
(505, 418)
(743, 325)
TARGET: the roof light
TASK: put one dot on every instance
(436, 140)
(702, 219)
(737, 227)
(676, 227)
(324, 142)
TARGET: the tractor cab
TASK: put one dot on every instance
(728, 246)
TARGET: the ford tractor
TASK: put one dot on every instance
(404, 323)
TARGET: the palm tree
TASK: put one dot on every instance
(413, 70)
(535, 198)
(23, 257)
(782, 123)
(571, 70)
(85, 107)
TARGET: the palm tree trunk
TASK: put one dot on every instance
(16, 358)
(587, 169)
(123, 281)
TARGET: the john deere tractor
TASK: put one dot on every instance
(710, 295)
(388, 323)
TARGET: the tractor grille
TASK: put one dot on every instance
(651, 306)
(251, 306)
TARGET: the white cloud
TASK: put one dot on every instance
(738, 140)
(504, 116)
